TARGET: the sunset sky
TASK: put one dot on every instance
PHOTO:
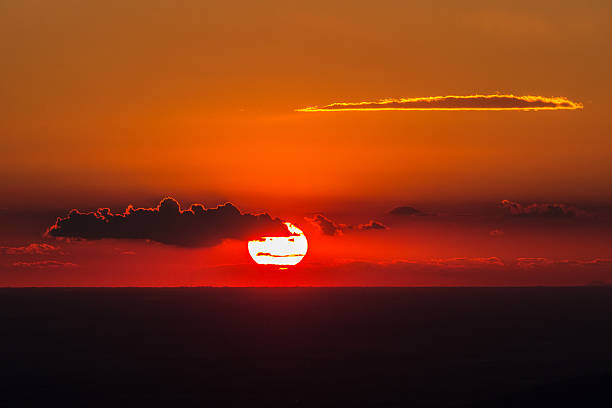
(107, 104)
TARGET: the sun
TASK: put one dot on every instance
(280, 250)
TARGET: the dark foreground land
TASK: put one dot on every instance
(342, 347)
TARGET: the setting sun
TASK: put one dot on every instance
(280, 250)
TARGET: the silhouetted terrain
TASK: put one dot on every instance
(336, 347)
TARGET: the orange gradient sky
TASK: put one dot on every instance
(197, 98)
(110, 103)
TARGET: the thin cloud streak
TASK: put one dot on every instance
(43, 264)
(494, 102)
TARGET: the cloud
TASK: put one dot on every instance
(406, 211)
(542, 210)
(44, 264)
(168, 224)
(331, 228)
(31, 249)
(495, 102)
(455, 262)
(595, 262)
(531, 263)
(372, 225)
(327, 226)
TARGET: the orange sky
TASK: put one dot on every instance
(196, 98)
(111, 103)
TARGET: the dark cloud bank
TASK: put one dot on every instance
(169, 224)
(514, 209)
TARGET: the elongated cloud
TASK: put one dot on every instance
(169, 224)
(493, 102)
